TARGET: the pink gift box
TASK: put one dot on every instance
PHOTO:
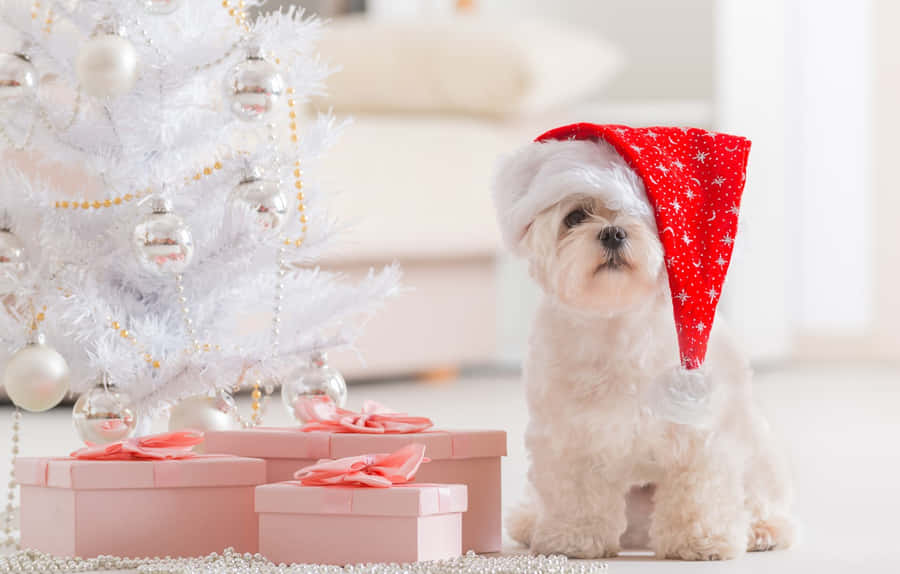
(351, 525)
(457, 457)
(187, 507)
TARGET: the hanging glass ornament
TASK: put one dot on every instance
(314, 379)
(263, 196)
(203, 413)
(104, 414)
(107, 64)
(18, 78)
(253, 87)
(36, 376)
(13, 262)
(161, 6)
(162, 241)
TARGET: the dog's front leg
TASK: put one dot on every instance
(699, 509)
(580, 510)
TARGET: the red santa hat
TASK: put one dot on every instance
(693, 180)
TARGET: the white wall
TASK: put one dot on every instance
(668, 44)
(878, 337)
(749, 100)
(828, 97)
(885, 206)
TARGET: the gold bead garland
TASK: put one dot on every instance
(97, 203)
(298, 174)
(123, 199)
(47, 20)
(148, 358)
(258, 403)
(37, 317)
(237, 12)
(256, 395)
(129, 336)
(206, 171)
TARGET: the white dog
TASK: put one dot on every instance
(602, 336)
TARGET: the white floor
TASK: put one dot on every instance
(841, 426)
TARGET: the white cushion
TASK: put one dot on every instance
(462, 65)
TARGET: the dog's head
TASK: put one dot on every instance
(581, 217)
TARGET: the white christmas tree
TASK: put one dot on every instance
(179, 258)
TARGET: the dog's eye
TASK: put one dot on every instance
(575, 217)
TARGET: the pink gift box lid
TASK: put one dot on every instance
(203, 470)
(398, 500)
(294, 443)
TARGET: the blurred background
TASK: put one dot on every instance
(439, 88)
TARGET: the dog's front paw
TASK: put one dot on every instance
(690, 544)
(575, 540)
(774, 532)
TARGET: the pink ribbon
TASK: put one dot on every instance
(322, 414)
(165, 446)
(374, 470)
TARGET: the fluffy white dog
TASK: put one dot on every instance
(602, 336)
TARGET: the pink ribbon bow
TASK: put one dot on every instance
(321, 414)
(165, 446)
(374, 470)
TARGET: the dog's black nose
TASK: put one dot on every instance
(612, 237)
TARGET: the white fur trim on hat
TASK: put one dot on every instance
(539, 175)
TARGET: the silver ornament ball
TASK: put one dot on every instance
(262, 196)
(161, 6)
(13, 261)
(203, 413)
(107, 65)
(36, 376)
(104, 415)
(162, 241)
(18, 78)
(253, 87)
(314, 379)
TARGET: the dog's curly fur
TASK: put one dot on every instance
(601, 337)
